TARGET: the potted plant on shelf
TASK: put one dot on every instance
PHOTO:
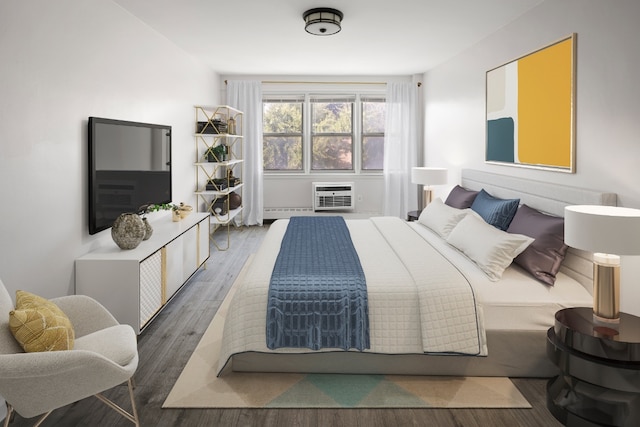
(217, 153)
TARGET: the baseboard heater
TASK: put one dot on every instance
(333, 196)
(281, 213)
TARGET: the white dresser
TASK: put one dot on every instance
(134, 285)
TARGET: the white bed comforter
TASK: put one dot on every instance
(418, 301)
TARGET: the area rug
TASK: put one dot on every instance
(198, 386)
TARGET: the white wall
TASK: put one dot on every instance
(289, 191)
(608, 111)
(62, 62)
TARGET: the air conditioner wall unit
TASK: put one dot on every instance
(332, 196)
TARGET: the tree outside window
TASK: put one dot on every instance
(282, 135)
(332, 135)
(373, 120)
(343, 133)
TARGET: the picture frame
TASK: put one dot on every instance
(530, 109)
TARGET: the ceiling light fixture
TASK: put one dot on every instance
(322, 21)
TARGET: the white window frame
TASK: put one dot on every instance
(367, 98)
(306, 129)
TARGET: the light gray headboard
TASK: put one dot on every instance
(546, 197)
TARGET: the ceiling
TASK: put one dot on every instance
(378, 37)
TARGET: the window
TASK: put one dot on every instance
(282, 135)
(373, 119)
(331, 135)
(323, 133)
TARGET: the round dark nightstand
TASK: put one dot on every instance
(413, 215)
(599, 384)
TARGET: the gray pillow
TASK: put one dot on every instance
(460, 198)
(542, 259)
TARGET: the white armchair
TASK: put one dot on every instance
(105, 354)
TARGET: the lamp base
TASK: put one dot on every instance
(606, 289)
(606, 327)
(427, 197)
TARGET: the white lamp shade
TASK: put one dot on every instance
(605, 229)
(429, 176)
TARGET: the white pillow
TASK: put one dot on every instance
(490, 248)
(441, 218)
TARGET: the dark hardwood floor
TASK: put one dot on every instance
(167, 343)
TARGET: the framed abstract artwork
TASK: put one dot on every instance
(530, 111)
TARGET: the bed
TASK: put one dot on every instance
(403, 262)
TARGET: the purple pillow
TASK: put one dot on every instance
(542, 259)
(460, 198)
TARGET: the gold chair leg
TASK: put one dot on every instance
(11, 414)
(131, 386)
(131, 417)
(42, 418)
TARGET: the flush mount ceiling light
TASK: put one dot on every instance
(322, 21)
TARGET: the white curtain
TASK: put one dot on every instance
(400, 147)
(246, 96)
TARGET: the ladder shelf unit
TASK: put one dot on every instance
(218, 167)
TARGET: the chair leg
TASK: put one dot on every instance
(11, 414)
(42, 418)
(131, 386)
(131, 417)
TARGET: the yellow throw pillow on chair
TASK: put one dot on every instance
(39, 325)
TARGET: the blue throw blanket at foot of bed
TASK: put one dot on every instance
(318, 292)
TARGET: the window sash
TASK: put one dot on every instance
(284, 151)
(336, 136)
(352, 150)
(372, 159)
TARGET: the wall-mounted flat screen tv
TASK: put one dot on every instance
(129, 167)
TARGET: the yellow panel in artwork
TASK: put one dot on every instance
(544, 106)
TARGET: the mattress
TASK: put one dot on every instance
(517, 301)
(515, 312)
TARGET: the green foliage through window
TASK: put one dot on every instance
(332, 135)
(343, 133)
(282, 130)
(373, 119)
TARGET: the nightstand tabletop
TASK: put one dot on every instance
(413, 215)
(575, 328)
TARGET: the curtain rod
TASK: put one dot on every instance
(324, 83)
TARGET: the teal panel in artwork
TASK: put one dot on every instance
(500, 140)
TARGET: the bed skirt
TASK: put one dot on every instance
(512, 354)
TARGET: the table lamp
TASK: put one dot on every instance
(608, 232)
(427, 177)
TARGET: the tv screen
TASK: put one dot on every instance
(129, 167)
